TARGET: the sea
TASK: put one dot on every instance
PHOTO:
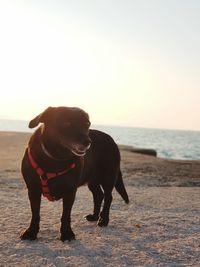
(169, 144)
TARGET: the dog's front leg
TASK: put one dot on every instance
(66, 231)
(35, 201)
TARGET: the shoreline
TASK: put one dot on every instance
(165, 143)
(122, 147)
(137, 169)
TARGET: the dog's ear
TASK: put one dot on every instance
(42, 117)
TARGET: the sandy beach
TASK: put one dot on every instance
(160, 226)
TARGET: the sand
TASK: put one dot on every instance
(160, 226)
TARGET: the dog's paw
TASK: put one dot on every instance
(69, 236)
(92, 218)
(28, 235)
(102, 222)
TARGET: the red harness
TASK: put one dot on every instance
(45, 176)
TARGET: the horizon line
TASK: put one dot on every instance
(117, 126)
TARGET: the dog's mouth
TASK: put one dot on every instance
(77, 150)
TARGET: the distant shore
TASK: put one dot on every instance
(138, 169)
(160, 226)
(170, 144)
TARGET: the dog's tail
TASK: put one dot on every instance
(119, 186)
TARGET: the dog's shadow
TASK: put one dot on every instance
(51, 250)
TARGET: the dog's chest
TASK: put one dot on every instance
(61, 185)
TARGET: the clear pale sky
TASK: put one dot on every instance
(126, 62)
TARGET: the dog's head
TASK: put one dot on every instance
(68, 127)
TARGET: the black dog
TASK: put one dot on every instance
(64, 154)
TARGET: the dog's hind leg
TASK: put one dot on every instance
(35, 201)
(104, 215)
(97, 198)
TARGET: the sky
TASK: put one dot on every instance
(129, 63)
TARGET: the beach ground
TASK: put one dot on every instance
(160, 226)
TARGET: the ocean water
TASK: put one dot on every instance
(170, 144)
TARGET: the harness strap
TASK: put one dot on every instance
(45, 176)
